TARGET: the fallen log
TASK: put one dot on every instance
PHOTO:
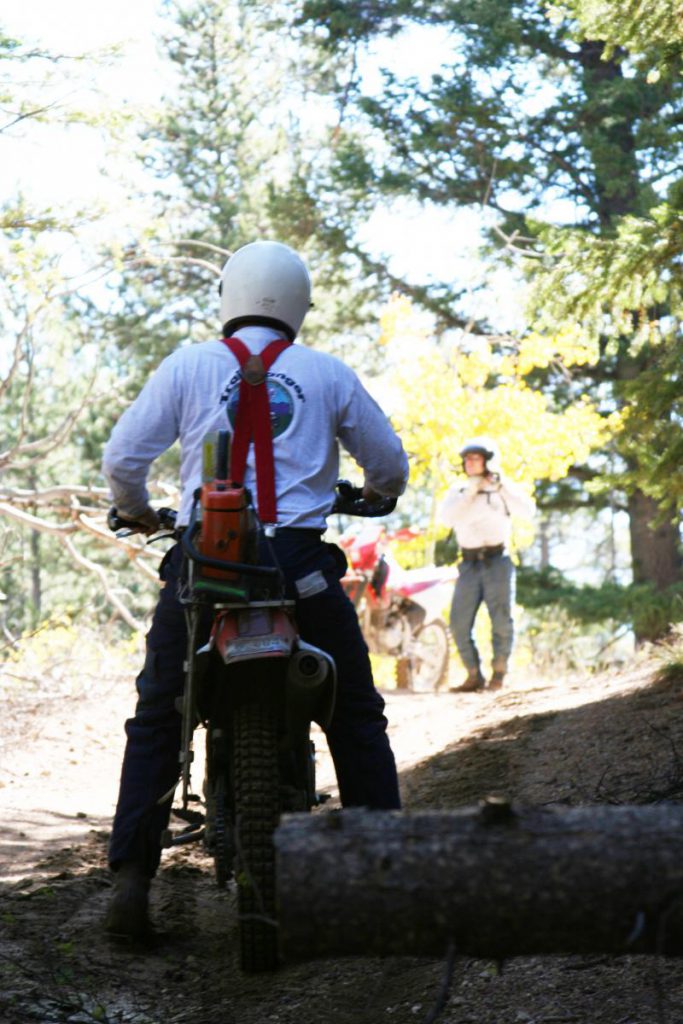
(493, 881)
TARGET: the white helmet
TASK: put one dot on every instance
(265, 283)
(483, 446)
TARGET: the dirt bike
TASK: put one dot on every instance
(255, 686)
(400, 610)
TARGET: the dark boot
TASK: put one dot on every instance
(496, 680)
(128, 913)
(475, 681)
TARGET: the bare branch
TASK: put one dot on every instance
(63, 532)
(137, 551)
(69, 493)
(14, 366)
(147, 259)
(511, 246)
(486, 199)
(26, 114)
(203, 245)
(98, 571)
(26, 397)
(35, 523)
(36, 450)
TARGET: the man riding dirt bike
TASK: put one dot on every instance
(295, 405)
(255, 688)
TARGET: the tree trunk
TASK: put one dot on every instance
(654, 549)
(494, 881)
(544, 545)
(36, 579)
(36, 562)
(654, 533)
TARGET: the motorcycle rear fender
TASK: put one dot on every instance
(253, 634)
(242, 634)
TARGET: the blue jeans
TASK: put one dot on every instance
(357, 737)
(491, 582)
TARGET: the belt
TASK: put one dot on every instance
(482, 554)
(299, 531)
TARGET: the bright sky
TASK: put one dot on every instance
(74, 26)
(45, 162)
(49, 166)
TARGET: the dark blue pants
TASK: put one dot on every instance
(357, 738)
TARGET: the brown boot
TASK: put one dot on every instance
(496, 680)
(128, 913)
(475, 681)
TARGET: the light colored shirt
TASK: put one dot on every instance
(316, 401)
(480, 511)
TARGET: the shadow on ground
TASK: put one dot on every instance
(627, 748)
(56, 967)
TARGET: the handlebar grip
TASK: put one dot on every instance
(115, 522)
(350, 502)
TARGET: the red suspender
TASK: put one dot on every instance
(253, 422)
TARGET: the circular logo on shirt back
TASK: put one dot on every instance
(281, 407)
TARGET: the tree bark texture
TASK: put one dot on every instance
(655, 549)
(492, 881)
(609, 136)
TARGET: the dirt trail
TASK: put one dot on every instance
(616, 738)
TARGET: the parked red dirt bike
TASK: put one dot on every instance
(255, 687)
(400, 610)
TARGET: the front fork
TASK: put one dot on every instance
(187, 706)
(194, 671)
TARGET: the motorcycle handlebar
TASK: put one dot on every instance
(350, 502)
(167, 521)
(116, 522)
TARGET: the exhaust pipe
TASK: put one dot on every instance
(311, 686)
(308, 668)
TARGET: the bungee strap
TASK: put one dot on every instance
(253, 422)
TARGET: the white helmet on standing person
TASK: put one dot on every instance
(265, 283)
(487, 448)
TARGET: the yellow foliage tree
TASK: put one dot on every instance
(443, 395)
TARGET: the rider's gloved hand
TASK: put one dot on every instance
(347, 490)
(147, 522)
(369, 494)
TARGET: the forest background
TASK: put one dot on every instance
(489, 196)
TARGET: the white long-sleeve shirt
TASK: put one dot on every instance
(315, 401)
(480, 511)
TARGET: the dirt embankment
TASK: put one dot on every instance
(614, 739)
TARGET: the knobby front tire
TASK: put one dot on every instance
(256, 818)
(429, 663)
(425, 670)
